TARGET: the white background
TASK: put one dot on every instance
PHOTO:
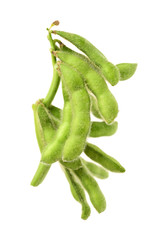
(125, 31)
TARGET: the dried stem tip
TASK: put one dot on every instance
(53, 31)
(55, 23)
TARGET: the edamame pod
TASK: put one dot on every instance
(47, 122)
(40, 174)
(97, 155)
(107, 104)
(77, 192)
(80, 104)
(38, 127)
(56, 112)
(45, 130)
(94, 107)
(127, 70)
(53, 151)
(89, 183)
(100, 129)
(74, 165)
(44, 125)
(95, 170)
(109, 70)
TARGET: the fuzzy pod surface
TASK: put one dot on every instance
(109, 70)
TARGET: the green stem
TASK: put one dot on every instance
(55, 80)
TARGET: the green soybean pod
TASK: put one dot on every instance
(80, 104)
(40, 174)
(38, 127)
(74, 165)
(53, 151)
(95, 170)
(91, 186)
(107, 104)
(45, 131)
(77, 192)
(46, 127)
(94, 102)
(127, 70)
(94, 107)
(110, 71)
(57, 112)
(100, 129)
(97, 155)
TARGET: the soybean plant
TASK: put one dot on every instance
(62, 134)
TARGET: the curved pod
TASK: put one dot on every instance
(80, 104)
(109, 70)
(107, 104)
(108, 162)
(53, 151)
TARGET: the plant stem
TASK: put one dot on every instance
(55, 80)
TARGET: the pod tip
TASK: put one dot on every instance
(122, 170)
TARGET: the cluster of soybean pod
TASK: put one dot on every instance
(62, 134)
